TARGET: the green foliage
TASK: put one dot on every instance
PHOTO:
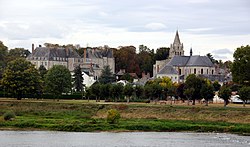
(106, 76)
(244, 93)
(195, 83)
(241, 65)
(162, 53)
(225, 93)
(78, 79)
(58, 80)
(212, 58)
(128, 90)
(127, 77)
(9, 115)
(42, 70)
(21, 77)
(207, 90)
(180, 90)
(116, 91)
(139, 91)
(145, 59)
(18, 53)
(216, 85)
(113, 116)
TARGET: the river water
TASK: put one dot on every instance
(121, 139)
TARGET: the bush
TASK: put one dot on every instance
(8, 115)
(113, 116)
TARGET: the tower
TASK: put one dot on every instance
(191, 52)
(176, 49)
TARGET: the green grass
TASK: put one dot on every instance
(82, 116)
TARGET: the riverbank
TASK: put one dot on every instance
(81, 116)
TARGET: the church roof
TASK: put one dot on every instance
(168, 69)
(201, 61)
(99, 53)
(50, 53)
(177, 38)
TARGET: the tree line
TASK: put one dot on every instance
(20, 78)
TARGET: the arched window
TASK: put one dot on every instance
(202, 71)
(195, 71)
(212, 72)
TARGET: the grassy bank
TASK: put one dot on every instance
(83, 116)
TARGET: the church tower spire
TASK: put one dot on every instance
(191, 51)
(176, 49)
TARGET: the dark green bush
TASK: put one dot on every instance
(8, 115)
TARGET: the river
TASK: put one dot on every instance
(121, 139)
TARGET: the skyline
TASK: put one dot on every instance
(206, 26)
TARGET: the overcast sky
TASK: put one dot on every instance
(208, 26)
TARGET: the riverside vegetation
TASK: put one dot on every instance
(78, 115)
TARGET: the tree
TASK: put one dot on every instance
(244, 94)
(18, 53)
(212, 58)
(106, 76)
(189, 92)
(3, 55)
(116, 91)
(127, 77)
(78, 79)
(58, 80)
(21, 77)
(241, 65)
(207, 90)
(42, 70)
(125, 58)
(192, 81)
(145, 59)
(96, 91)
(216, 86)
(180, 91)
(128, 91)
(162, 53)
(105, 91)
(225, 93)
(139, 90)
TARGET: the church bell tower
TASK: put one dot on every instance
(176, 49)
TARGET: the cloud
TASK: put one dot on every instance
(155, 26)
(222, 51)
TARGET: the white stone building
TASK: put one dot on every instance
(178, 67)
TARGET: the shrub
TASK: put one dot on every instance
(113, 116)
(8, 115)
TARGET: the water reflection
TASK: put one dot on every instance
(123, 139)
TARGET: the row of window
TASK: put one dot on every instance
(195, 72)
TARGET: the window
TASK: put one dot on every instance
(45, 63)
(195, 71)
(212, 72)
(202, 71)
(179, 71)
(207, 71)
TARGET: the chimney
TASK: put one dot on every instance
(85, 54)
(33, 48)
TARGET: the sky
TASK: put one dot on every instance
(207, 26)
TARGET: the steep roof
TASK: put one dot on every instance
(201, 61)
(179, 61)
(99, 53)
(50, 53)
(177, 38)
(168, 69)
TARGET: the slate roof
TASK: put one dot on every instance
(99, 53)
(177, 38)
(50, 53)
(201, 61)
(168, 69)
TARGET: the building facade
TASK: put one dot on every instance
(92, 62)
(178, 67)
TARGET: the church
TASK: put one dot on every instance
(178, 67)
